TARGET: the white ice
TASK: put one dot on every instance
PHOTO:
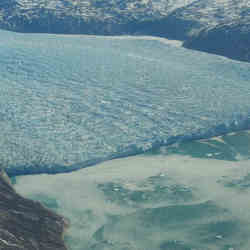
(67, 102)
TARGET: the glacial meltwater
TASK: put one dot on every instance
(164, 128)
(189, 196)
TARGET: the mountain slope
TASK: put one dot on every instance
(82, 16)
(25, 224)
(224, 27)
(215, 26)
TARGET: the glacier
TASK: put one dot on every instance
(67, 102)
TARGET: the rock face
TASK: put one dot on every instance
(214, 26)
(231, 40)
(224, 27)
(25, 224)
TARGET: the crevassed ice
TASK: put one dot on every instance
(70, 101)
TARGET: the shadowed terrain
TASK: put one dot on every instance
(25, 224)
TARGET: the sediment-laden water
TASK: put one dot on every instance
(194, 195)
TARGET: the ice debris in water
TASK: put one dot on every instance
(68, 102)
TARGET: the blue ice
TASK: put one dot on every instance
(67, 102)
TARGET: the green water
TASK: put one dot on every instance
(188, 196)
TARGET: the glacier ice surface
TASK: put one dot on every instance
(67, 102)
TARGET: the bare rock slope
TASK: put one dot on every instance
(225, 27)
(25, 224)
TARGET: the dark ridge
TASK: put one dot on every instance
(228, 40)
(26, 224)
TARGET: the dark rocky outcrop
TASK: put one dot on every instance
(26, 224)
(224, 27)
(230, 40)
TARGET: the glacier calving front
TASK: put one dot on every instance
(67, 102)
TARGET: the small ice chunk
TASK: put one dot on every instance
(219, 237)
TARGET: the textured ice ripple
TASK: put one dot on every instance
(68, 102)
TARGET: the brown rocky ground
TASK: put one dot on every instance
(26, 224)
